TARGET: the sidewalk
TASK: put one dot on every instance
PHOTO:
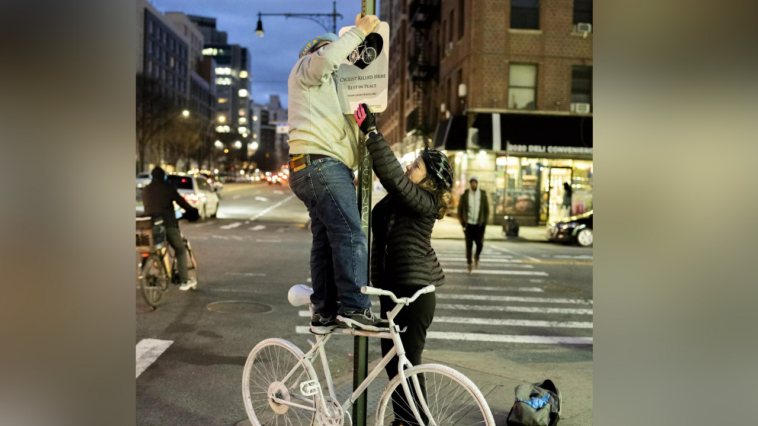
(449, 228)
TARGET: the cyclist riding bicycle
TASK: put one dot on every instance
(158, 198)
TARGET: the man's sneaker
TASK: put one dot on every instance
(322, 325)
(476, 263)
(365, 321)
(191, 284)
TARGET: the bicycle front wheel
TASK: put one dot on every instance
(262, 380)
(153, 281)
(449, 398)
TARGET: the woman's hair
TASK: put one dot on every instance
(443, 197)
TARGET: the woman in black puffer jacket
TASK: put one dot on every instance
(402, 258)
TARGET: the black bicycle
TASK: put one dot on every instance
(159, 266)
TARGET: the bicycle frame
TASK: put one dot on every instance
(317, 350)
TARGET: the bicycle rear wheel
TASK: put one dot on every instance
(451, 398)
(153, 281)
(268, 363)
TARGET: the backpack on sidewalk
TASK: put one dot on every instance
(538, 404)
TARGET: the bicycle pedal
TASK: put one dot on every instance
(310, 388)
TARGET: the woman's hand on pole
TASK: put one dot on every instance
(365, 118)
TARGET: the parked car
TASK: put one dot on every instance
(198, 194)
(575, 229)
(143, 179)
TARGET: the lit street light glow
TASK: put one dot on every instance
(238, 144)
(221, 118)
(219, 145)
(185, 113)
(254, 145)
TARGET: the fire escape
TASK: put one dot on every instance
(422, 63)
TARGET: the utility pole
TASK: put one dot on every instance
(365, 177)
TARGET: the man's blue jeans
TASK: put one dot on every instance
(339, 255)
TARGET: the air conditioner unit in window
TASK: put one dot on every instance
(584, 28)
(581, 108)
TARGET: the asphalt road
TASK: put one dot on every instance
(525, 315)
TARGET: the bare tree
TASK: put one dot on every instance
(182, 138)
(155, 111)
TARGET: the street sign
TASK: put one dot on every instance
(282, 128)
(363, 76)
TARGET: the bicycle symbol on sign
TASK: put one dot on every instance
(364, 53)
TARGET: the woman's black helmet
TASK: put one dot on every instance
(438, 168)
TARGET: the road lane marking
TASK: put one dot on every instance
(258, 228)
(566, 256)
(148, 350)
(520, 309)
(278, 192)
(247, 274)
(494, 338)
(231, 225)
(236, 197)
(237, 237)
(536, 281)
(261, 199)
(496, 272)
(220, 237)
(481, 260)
(503, 338)
(513, 322)
(201, 224)
(517, 254)
(513, 299)
(485, 288)
(268, 241)
(272, 207)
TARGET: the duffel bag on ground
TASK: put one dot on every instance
(538, 404)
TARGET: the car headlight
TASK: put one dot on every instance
(567, 225)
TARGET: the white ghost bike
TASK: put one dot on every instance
(279, 382)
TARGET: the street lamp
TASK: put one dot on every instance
(320, 18)
(219, 145)
(238, 144)
(254, 145)
(185, 113)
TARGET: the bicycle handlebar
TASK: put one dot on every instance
(391, 295)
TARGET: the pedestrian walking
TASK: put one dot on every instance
(473, 212)
(402, 258)
(323, 154)
(567, 191)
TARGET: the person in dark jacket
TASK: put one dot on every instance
(473, 211)
(567, 198)
(158, 198)
(402, 258)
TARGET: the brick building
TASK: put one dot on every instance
(505, 88)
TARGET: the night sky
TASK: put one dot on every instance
(274, 55)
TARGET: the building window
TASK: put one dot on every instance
(522, 87)
(149, 68)
(525, 14)
(461, 23)
(581, 84)
(172, 62)
(450, 24)
(222, 100)
(582, 12)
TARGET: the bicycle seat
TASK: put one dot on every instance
(299, 295)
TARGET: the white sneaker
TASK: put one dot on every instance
(191, 284)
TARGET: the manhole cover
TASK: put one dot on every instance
(239, 307)
(550, 288)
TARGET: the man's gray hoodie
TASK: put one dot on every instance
(317, 125)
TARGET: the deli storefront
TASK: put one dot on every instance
(522, 161)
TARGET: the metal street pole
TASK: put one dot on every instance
(365, 176)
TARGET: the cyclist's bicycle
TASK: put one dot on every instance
(279, 382)
(159, 266)
(362, 52)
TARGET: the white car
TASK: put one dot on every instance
(197, 193)
(143, 179)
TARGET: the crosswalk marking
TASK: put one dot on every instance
(482, 260)
(258, 228)
(496, 272)
(514, 299)
(520, 309)
(498, 338)
(148, 350)
(272, 207)
(513, 322)
(485, 288)
(231, 225)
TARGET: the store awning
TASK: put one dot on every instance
(452, 133)
(495, 130)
